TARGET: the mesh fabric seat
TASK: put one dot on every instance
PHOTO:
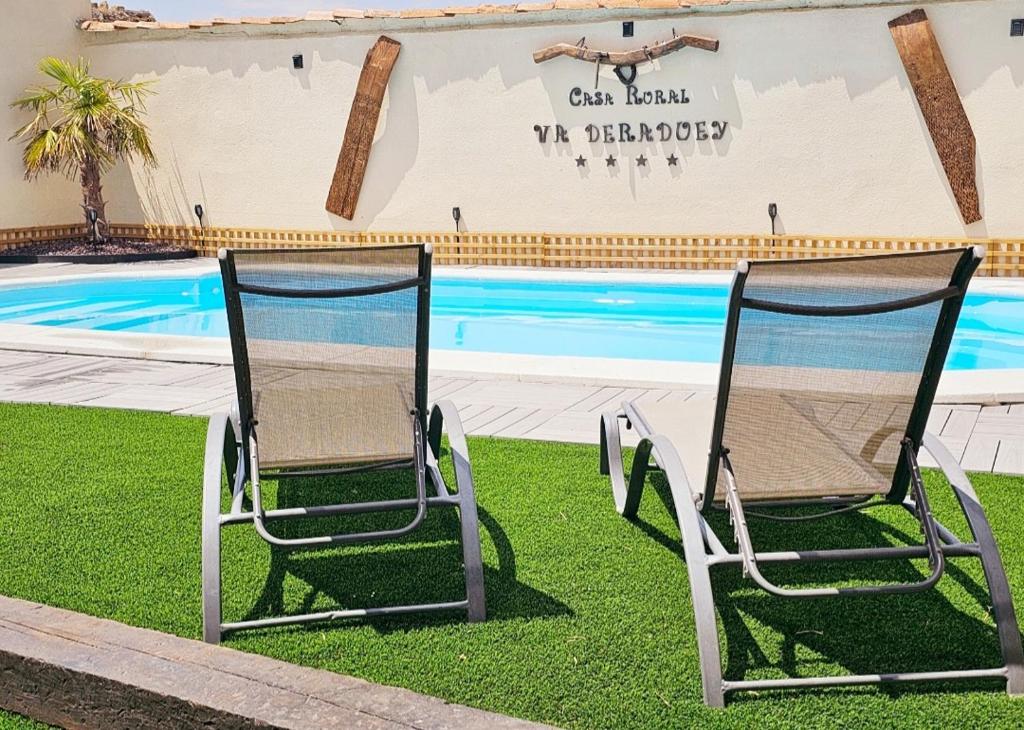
(333, 378)
(818, 403)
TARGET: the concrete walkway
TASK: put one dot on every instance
(985, 438)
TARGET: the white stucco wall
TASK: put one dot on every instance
(29, 31)
(821, 120)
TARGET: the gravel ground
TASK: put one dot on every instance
(112, 247)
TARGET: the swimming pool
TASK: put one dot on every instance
(607, 318)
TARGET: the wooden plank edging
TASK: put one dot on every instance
(78, 671)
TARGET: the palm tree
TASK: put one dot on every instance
(82, 126)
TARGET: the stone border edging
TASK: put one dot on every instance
(78, 671)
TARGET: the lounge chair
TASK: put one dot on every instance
(829, 370)
(330, 358)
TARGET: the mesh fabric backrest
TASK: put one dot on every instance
(333, 379)
(818, 405)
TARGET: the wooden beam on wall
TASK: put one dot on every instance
(362, 123)
(626, 58)
(941, 107)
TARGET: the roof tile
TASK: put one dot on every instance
(411, 13)
(421, 13)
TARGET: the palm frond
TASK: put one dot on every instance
(66, 74)
(81, 118)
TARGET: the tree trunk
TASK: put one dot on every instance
(92, 198)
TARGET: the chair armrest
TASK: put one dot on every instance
(949, 465)
(444, 416)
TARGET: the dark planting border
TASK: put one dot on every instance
(123, 258)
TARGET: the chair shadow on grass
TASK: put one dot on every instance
(423, 567)
(871, 634)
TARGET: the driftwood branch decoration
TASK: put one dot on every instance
(624, 61)
(362, 123)
(626, 58)
(940, 105)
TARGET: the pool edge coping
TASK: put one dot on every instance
(207, 265)
(956, 386)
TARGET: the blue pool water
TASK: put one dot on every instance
(674, 321)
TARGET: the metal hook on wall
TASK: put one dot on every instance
(626, 78)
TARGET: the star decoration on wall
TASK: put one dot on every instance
(581, 161)
(641, 161)
(673, 160)
(610, 161)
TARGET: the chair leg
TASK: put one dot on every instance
(627, 501)
(608, 435)
(219, 442)
(999, 590)
(471, 557)
(703, 606)
(627, 498)
(697, 568)
(992, 564)
(444, 415)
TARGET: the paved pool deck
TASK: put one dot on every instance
(984, 438)
(985, 434)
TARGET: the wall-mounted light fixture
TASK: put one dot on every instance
(297, 60)
(202, 229)
(457, 216)
(94, 217)
(1017, 27)
(627, 29)
(773, 211)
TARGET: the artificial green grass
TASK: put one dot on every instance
(589, 625)
(10, 721)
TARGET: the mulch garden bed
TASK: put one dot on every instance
(114, 250)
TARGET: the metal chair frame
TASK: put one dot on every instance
(232, 451)
(703, 549)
